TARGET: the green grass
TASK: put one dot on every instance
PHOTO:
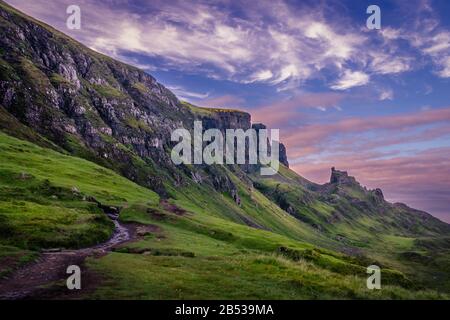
(193, 255)
(18, 157)
(206, 253)
(137, 124)
(400, 243)
(43, 197)
(141, 87)
(109, 92)
(34, 75)
(218, 249)
(33, 226)
(198, 256)
(10, 125)
(12, 258)
(208, 111)
(244, 276)
(58, 80)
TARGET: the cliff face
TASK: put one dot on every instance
(223, 120)
(341, 177)
(282, 153)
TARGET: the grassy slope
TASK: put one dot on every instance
(204, 111)
(43, 200)
(199, 255)
(186, 259)
(376, 236)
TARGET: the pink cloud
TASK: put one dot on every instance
(225, 101)
(316, 133)
(280, 113)
(420, 180)
(349, 143)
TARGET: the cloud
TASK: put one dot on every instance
(184, 94)
(418, 179)
(208, 38)
(444, 72)
(225, 101)
(288, 112)
(394, 153)
(351, 79)
(291, 47)
(389, 33)
(259, 76)
(318, 133)
(386, 64)
(425, 35)
(270, 42)
(437, 47)
(383, 139)
(386, 94)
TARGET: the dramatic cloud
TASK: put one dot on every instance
(269, 42)
(286, 113)
(184, 94)
(423, 33)
(421, 180)
(316, 133)
(392, 153)
(386, 64)
(351, 79)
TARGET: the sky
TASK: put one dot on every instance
(375, 103)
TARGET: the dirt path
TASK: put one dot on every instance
(30, 281)
(40, 279)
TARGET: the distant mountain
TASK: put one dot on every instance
(58, 94)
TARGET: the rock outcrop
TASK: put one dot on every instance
(282, 156)
(341, 177)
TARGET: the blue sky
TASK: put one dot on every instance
(373, 102)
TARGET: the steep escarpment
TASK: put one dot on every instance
(343, 205)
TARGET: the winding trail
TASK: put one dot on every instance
(32, 280)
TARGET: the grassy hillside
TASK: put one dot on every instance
(198, 253)
(358, 223)
(44, 200)
(190, 257)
